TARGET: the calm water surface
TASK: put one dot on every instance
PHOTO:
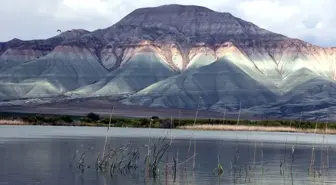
(42, 155)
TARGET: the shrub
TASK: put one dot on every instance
(92, 116)
(85, 120)
(144, 122)
(166, 123)
(66, 119)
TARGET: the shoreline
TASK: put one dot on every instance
(22, 123)
(200, 127)
(95, 120)
(257, 129)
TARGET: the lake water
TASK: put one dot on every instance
(44, 156)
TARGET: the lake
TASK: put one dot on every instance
(44, 155)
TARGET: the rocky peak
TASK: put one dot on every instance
(170, 9)
(185, 24)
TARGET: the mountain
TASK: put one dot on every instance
(173, 56)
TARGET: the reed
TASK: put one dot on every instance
(219, 169)
(81, 164)
(75, 155)
(324, 153)
(108, 128)
(154, 158)
(120, 160)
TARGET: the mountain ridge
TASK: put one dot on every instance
(177, 41)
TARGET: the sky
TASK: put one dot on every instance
(309, 20)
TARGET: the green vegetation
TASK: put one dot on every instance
(93, 119)
(48, 120)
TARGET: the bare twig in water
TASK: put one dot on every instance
(74, 156)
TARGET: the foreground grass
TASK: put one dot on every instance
(256, 128)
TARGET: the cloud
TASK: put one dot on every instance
(310, 20)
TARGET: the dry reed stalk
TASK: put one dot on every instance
(322, 151)
(194, 162)
(147, 160)
(323, 146)
(254, 160)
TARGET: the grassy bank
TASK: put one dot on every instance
(257, 128)
(12, 122)
(96, 120)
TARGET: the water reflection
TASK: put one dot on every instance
(47, 161)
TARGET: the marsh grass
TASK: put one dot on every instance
(13, 122)
(256, 128)
(108, 128)
(154, 158)
(122, 161)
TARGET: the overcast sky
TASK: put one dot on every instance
(311, 20)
